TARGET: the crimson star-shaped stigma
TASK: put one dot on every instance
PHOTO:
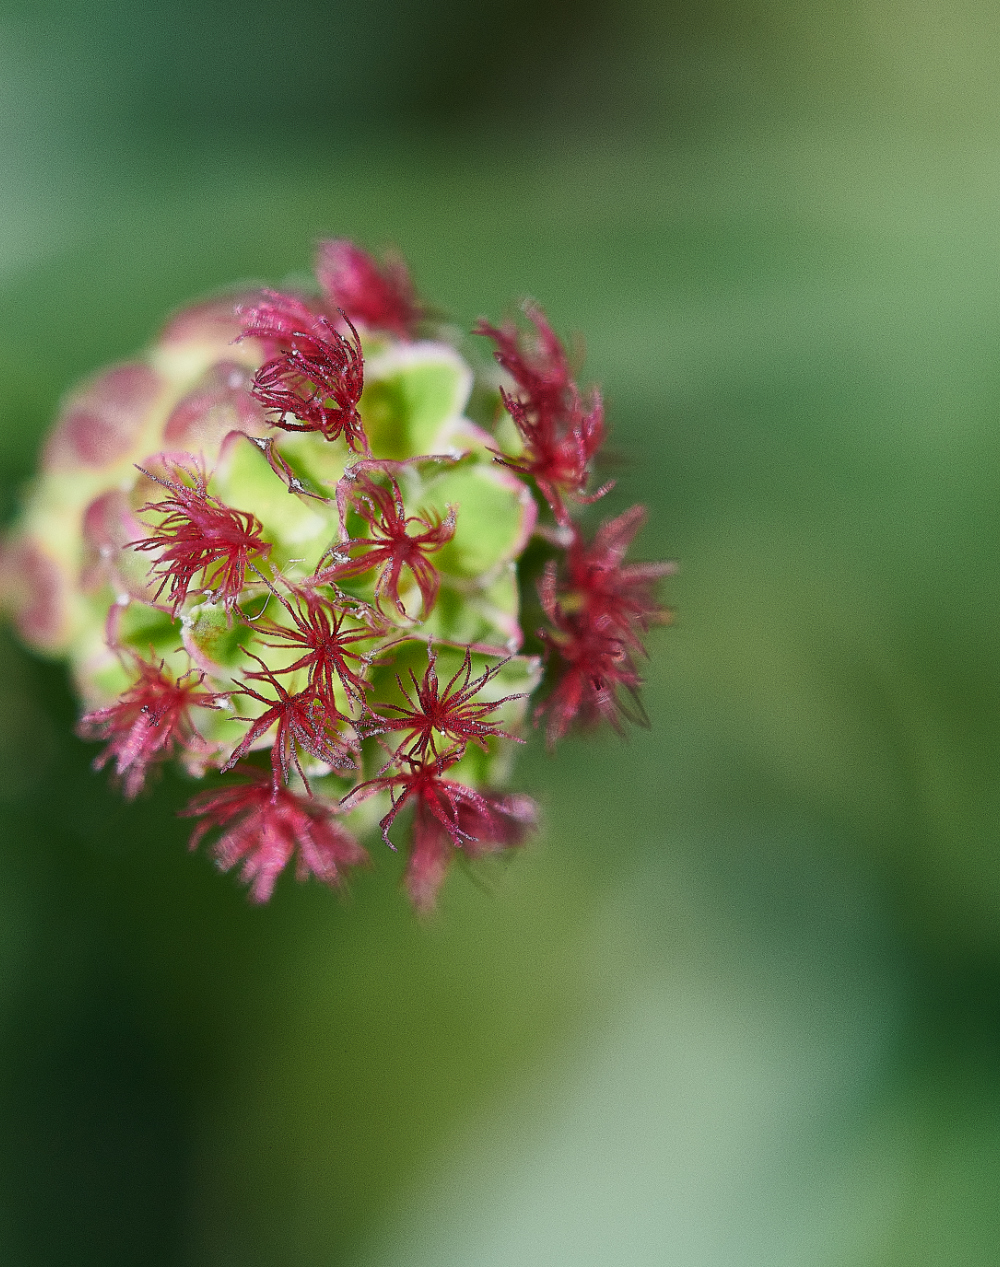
(265, 827)
(198, 535)
(318, 630)
(448, 816)
(304, 721)
(378, 297)
(592, 666)
(148, 723)
(542, 373)
(453, 712)
(392, 547)
(620, 595)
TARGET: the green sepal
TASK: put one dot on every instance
(297, 527)
(484, 618)
(494, 516)
(413, 395)
(215, 639)
(148, 630)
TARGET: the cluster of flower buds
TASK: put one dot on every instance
(293, 544)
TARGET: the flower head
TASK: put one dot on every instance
(483, 824)
(591, 666)
(358, 570)
(541, 372)
(597, 607)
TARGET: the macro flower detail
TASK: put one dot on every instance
(596, 614)
(315, 376)
(291, 547)
(616, 594)
(393, 546)
(378, 298)
(453, 714)
(448, 816)
(485, 824)
(320, 631)
(302, 721)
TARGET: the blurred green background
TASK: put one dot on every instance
(740, 1003)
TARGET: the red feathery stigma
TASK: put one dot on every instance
(318, 630)
(377, 298)
(621, 595)
(561, 431)
(148, 723)
(558, 450)
(452, 712)
(542, 373)
(265, 827)
(448, 816)
(275, 317)
(200, 536)
(392, 547)
(315, 377)
(594, 665)
(304, 721)
(491, 823)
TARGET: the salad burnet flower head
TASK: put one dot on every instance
(289, 547)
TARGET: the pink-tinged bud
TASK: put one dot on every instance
(277, 549)
(103, 423)
(109, 526)
(220, 403)
(214, 323)
(35, 589)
